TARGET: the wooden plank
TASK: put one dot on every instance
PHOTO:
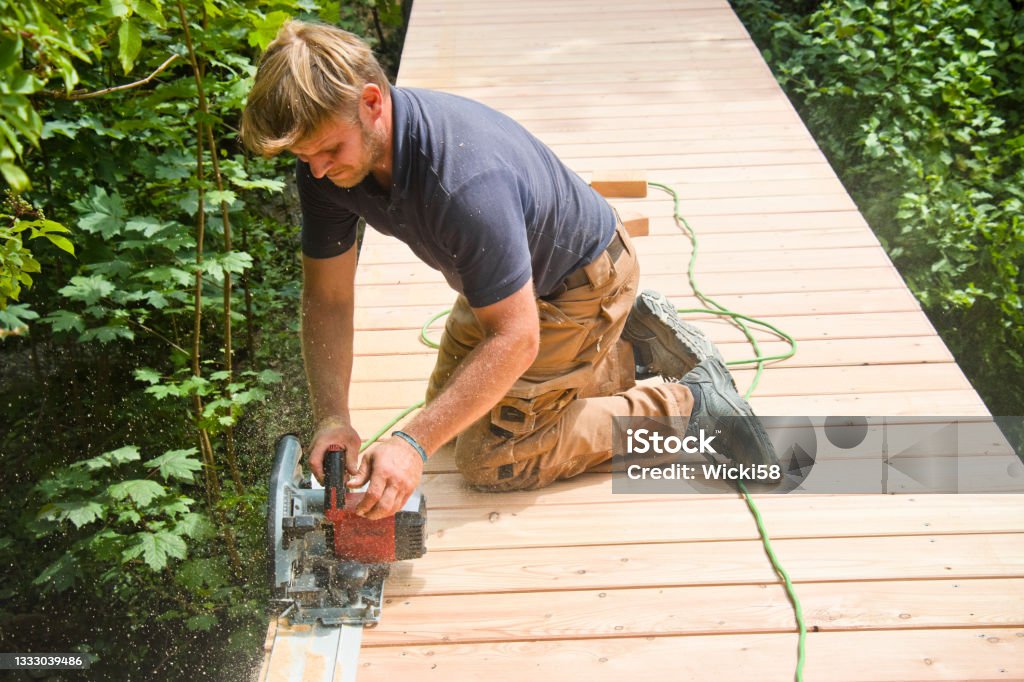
(455, 81)
(714, 160)
(873, 656)
(532, 6)
(717, 233)
(730, 223)
(691, 182)
(801, 327)
(761, 230)
(376, 252)
(733, 243)
(428, 50)
(626, 32)
(718, 199)
(909, 350)
(713, 284)
(436, 54)
(635, 224)
(412, 318)
(792, 213)
(733, 222)
(687, 119)
(445, 14)
(659, 56)
(715, 24)
(652, 135)
(609, 566)
(512, 92)
(655, 263)
(765, 305)
(597, 111)
(620, 183)
(507, 526)
(379, 250)
(828, 607)
(476, 53)
(441, 39)
(445, 489)
(753, 210)
(525, 64)
(811, 354)
(626, 27)
(646, 145)
(908, 402)
(779, 381)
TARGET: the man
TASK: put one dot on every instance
(531, 367)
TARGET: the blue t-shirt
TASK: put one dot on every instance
(473, 194)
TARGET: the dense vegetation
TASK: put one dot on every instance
(148, 286)
(918, 104)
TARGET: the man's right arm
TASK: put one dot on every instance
(328, 304)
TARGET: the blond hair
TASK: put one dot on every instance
(308, 74)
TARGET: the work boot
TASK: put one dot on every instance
(719, 409)
(662, 343)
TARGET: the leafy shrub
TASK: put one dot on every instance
(118, 138)
(919, 107)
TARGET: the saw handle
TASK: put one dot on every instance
(335, 478)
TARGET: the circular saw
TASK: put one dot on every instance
(328, 563)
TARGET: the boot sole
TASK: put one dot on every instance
(671, 335)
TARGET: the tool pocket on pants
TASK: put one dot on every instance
(522, 415)
(561, 339)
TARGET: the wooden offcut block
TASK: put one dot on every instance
(620, 183)
(636, 224)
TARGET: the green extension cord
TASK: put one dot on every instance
(715, 308)
(418, 404)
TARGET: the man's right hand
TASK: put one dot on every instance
(333, 433)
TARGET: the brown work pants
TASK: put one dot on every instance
(556, 420)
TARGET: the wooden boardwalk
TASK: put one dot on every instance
(575, 583)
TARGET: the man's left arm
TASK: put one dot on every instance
(512, 338)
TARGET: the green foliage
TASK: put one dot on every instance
(120, 513)
(225, 400)
(380, 22)
(19, 219)
(919, 107)
(177, 464)
(160, 331)
(121, 542)
(35, 46)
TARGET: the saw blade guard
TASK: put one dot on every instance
(288, 497)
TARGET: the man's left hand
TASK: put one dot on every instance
(394, 469)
